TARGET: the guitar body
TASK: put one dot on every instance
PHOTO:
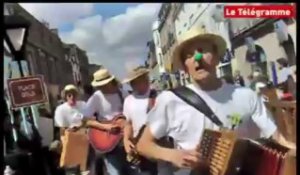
(105, 141)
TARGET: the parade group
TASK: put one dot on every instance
(159, 132)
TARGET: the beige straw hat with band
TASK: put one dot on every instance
(135, 73)
(101, 78)
(199, 34)
(68, 88)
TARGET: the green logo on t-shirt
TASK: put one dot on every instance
(235, 119)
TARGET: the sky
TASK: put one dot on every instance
(114, 35)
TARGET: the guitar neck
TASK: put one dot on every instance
(139, 135)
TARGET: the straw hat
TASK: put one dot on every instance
(68, 88)
(102, 77)
(135, 73)
(200, 34)
(282, 61)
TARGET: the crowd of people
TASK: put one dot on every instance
(162, 129)
(257, 81)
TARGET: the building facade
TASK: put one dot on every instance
(151, 56)
(45, 54)
(167, 33)
(168, 41)
(258, 43)
(157, 44)
(79, 63)
(152, 64)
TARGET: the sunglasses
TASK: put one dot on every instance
(71, 95)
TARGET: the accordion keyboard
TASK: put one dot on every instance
(216, 148)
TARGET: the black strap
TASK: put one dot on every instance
(152, 97)
(193, 99)
(121, 97)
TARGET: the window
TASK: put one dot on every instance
(160, 60)
(258, 59)
(50, 39)
(289, 49)
(170, 39)
(42, 35)
(191, 19)
(185, 24)
(44, 66)
(157, 39)
(219, 6)
(163, 49)
(30, 60)
(52, 70)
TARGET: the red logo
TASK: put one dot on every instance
(259, 11)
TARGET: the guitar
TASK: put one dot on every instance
(105, 141)
(135, 159)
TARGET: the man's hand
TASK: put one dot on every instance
(277, 136)
(129, 146)
(185, 158)
(109, 127)
(73, 129)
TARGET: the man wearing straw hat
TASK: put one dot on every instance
(136, 107)
(198, 53)
(69, 114)
(106, 103)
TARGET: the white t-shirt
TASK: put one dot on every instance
(171, 116)
(107, 106)
(69, 116)
(135, 110)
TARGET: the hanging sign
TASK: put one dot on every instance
(27, 91)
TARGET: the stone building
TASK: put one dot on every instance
(167, 33)
(79, 63)
(151, 57)
(167, 40)
(157, 49)
(45, 54)
(152, 64)
(270, 38)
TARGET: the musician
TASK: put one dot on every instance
(171, 116)
(107, 102)
(69, 114)
(136, 107)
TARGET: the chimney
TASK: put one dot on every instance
(45, 23)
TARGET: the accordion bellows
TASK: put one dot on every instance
(225, 154)
(75, 149)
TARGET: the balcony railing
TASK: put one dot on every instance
(250, 23)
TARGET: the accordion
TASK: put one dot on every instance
(225, 154)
